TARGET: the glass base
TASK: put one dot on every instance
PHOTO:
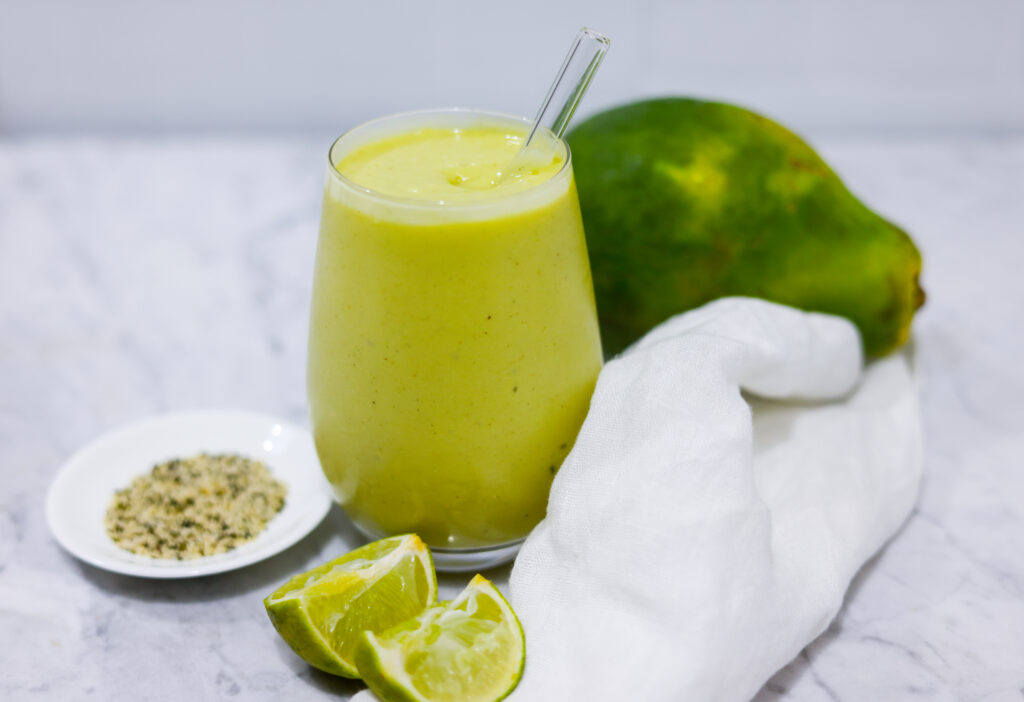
(473, 559)
(464, 560)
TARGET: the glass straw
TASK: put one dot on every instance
(572, 80)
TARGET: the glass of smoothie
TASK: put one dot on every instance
(453, 343)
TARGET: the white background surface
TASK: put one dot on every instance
(324, 65)
(148, 275)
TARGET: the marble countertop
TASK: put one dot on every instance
(148, 275)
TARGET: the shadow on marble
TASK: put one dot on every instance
(325, 682)
(259, 578)
(451, 584)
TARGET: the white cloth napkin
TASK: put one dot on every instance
(693, 547)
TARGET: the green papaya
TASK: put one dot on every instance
(685, 201)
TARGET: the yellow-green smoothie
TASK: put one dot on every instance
(453, 339)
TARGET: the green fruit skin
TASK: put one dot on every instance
(685, 201)
(370, 670)
(316, 652)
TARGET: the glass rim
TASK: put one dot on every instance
(441, 205)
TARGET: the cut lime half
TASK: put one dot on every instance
(323, 612)
(469, 650)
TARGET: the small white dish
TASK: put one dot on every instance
(80, 494)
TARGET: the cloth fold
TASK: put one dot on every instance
(736, 468)
(694, 545)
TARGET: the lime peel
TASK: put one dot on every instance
(321, 613)
(469, 650)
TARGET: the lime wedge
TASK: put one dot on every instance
(468, 650)
(322, 613)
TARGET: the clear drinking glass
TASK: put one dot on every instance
(453, 350)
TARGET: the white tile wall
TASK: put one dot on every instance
(819, 65)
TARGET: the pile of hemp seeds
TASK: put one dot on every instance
(193, 507)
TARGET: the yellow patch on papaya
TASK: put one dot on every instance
(700, 180)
